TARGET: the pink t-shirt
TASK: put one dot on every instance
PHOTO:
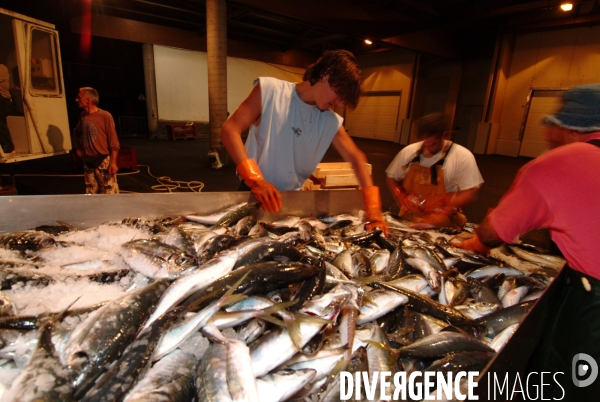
(559, 190)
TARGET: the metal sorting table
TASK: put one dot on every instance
(84, 211)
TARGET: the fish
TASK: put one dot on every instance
(461, 361)
(442, 344)
(240, 377)
(280, 385)
(169, 379)
(244, 225)
(178, 238)
(476, 310)
(213, 218)
(7, 307)
(292, 300)
(514, 296)
(379, 260)
(44, 378)
(456, 291)
(26, 240)
(326, 307)
(122, 375)
(156, 259)
(359, 362)
(215, 245)
(425, 254)
(427, 305)
(490, 270)
(266, 250)
(503, 337)
(428, 271)
(501, 319)
(106, 332)
(177, 333)
(380, 303)
(262, 276)
(233, 216)
(211, 377)
(195, 281)
(545, 260)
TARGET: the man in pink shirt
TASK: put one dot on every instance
(560, 191)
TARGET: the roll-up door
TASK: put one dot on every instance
(543, 103)
(376, 116)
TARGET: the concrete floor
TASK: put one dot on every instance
(184, 166)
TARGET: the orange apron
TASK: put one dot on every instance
(421, 181)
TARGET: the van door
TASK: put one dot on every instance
(42, 88)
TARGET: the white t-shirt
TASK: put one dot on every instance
(292, 136)
(460, 168)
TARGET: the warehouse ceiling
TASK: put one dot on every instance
(316, 25)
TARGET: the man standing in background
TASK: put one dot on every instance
(96, 144)
(6, 108)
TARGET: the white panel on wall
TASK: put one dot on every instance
(181, 84)
(376, 116)
(542, 104)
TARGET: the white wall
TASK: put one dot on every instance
(181, 82)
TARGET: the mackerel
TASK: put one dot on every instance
(194, 282)
(44, 378)
(232, 217)
(103, 336)
(170, 379)
(280, 385)
(136, 358)
(280, 340)
(544, 260)
(215, 217)
(156, 259)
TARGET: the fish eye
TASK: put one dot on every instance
(183, 259)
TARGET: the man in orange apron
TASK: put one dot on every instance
(432, 179)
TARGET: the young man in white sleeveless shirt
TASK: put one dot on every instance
(291, 127)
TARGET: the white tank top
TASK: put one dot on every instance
(292, 136)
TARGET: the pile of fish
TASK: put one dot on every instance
(225, 308)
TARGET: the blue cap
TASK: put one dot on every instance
(580, 111)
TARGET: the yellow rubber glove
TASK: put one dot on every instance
(373, 214)
(473, 244)
(265, 193)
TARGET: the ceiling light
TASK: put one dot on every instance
(368, 42)
(566, 6)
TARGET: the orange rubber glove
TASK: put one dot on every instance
(265, 192)
(406, 202)
(473, 244)
(373, 214)
(435, 202)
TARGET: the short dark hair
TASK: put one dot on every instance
(92, 93)
(344, 76)
(432, 124)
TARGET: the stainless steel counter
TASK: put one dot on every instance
(84, 211)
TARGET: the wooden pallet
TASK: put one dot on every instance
(332, 176)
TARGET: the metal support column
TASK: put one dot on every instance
(150, 84)
(216, 46)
